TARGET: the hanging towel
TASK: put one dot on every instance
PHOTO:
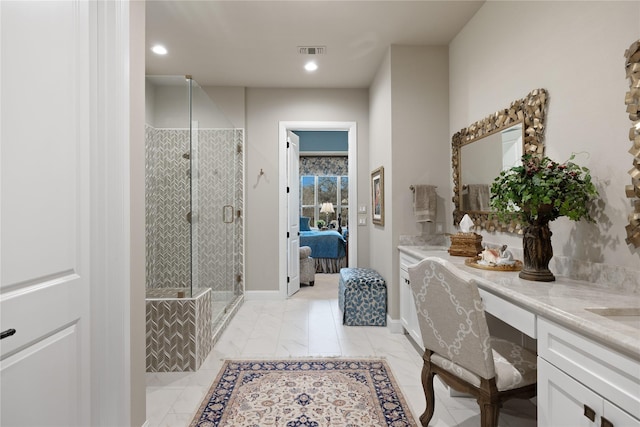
(424, 203)
(484, 196)
(479, 197)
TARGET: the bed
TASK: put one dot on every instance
(328, 249)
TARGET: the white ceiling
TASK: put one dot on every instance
(254, 43)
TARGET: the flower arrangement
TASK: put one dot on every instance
(543, 190)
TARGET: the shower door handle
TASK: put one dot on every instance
(227, 214)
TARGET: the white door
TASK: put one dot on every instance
(44, 209)
(293, 223)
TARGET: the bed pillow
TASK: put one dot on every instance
(304, 224)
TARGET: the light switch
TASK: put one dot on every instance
(362, 208)
(362, 220)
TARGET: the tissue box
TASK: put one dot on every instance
(465, 244)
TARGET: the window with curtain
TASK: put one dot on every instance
(316, 190)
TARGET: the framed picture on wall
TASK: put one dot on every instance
(377, 196)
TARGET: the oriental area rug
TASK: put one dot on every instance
(304, 393)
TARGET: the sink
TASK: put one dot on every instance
(629, 316)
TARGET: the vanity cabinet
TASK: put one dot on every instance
(577, 374)
(408, 314)
(582, 383)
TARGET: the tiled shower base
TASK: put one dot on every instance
(179, 330)
(182, 331)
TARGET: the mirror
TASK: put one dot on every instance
(482, 150)
(483, 160)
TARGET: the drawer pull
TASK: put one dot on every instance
(7, 333)
(605, 422)
(589, 413)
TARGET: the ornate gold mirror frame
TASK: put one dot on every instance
(531, 111)
(632, 99)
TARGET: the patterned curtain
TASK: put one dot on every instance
(324, 165)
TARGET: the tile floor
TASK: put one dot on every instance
(309, 325)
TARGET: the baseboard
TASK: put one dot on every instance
(262, 295)
(394, 325)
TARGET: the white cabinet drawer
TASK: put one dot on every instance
(407, 260)
(612, 374)
(518, 317)
(563, 401)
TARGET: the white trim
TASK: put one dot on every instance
(285, 126)
(394, 325)
(110, 216)
(324, 153)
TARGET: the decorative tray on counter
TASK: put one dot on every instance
(473, 262)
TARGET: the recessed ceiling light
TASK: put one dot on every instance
(159, 49)
(310, 66)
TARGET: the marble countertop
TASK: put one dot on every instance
(564, 301)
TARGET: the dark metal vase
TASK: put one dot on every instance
(536, 245)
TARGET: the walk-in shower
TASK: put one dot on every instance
(194, 222)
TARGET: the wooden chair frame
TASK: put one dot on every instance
(487, 395)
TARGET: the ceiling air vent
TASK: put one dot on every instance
(312, 50)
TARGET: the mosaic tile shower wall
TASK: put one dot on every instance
(217, 245)
(206, 254)
(167, 199)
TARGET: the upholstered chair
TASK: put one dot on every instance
(307, 266)
(458, 346)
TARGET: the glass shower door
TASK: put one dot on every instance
(216, 207)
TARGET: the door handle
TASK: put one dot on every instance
(7, 333)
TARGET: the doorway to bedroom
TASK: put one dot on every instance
(324, 198)
(320, 193)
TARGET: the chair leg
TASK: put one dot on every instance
(489, 413)
(427, 385)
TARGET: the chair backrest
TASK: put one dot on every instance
(451, 315)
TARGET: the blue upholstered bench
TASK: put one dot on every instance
(362, 297)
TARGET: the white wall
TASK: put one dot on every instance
(149, 103)
(420, 130)
(168, 106)
(409, 134)
(420, 112)
(380, 155)
(265, 108)
(230, 101)
(575, 51)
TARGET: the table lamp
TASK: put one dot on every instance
(327, 208)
